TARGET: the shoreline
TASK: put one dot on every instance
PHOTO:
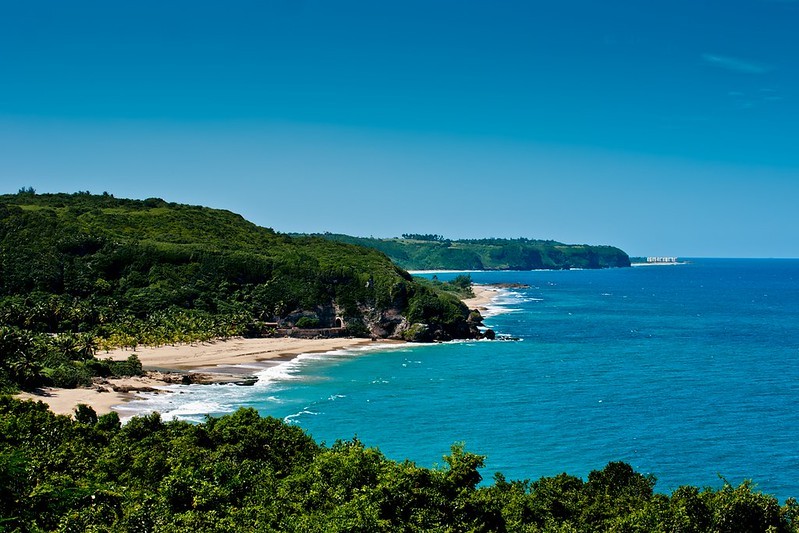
(234, 360)
(484, 296)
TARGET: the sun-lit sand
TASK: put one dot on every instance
(483, 296)
(101, 398)
(217, 361)
(236, 351)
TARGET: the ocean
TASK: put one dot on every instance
(687, 372)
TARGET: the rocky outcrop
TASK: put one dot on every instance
(430, 325)
(424, 332)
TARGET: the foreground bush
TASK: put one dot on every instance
(244, 472)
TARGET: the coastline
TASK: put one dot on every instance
(221, 361)
(101, 398)
(221, 357)
(484, 296)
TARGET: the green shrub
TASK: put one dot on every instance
(307, 322)
(129, 367)
(70, 376)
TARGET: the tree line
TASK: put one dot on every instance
(430, 251)
(244, 472)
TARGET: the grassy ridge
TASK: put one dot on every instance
(428, 252)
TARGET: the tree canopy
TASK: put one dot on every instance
(244, 472)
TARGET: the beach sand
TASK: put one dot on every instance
(218, 361)
(235, 351)
(483, 296)
(102, 398)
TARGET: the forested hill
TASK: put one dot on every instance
(127, 272)
(423, 252)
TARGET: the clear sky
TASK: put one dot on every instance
(666, 127)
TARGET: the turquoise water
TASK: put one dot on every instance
(687, 372)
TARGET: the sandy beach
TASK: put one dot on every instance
(483, 296)
(218, 361)
(102, 398)
(219, 356)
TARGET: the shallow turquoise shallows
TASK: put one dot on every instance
(687, 372)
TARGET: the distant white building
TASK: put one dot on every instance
(661, 259)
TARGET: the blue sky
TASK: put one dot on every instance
(664, 127)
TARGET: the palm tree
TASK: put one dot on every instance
(87, 345)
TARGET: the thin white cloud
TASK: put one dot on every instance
(771, 95)
(735, 64)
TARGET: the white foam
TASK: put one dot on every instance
(506, 302)
(190, 402)
(194, 402)
(290, 418)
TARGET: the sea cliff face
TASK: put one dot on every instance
(424, 317)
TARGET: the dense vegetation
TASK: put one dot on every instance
(80, 272)
(429, 251)
(242, 472)
(460, 285)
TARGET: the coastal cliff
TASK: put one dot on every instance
(434, 252)
(81, 272)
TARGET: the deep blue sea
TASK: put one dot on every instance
(687, 372)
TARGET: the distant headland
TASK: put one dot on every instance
(435, 252)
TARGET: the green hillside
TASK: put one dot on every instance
(102, 271)
(428, 252)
